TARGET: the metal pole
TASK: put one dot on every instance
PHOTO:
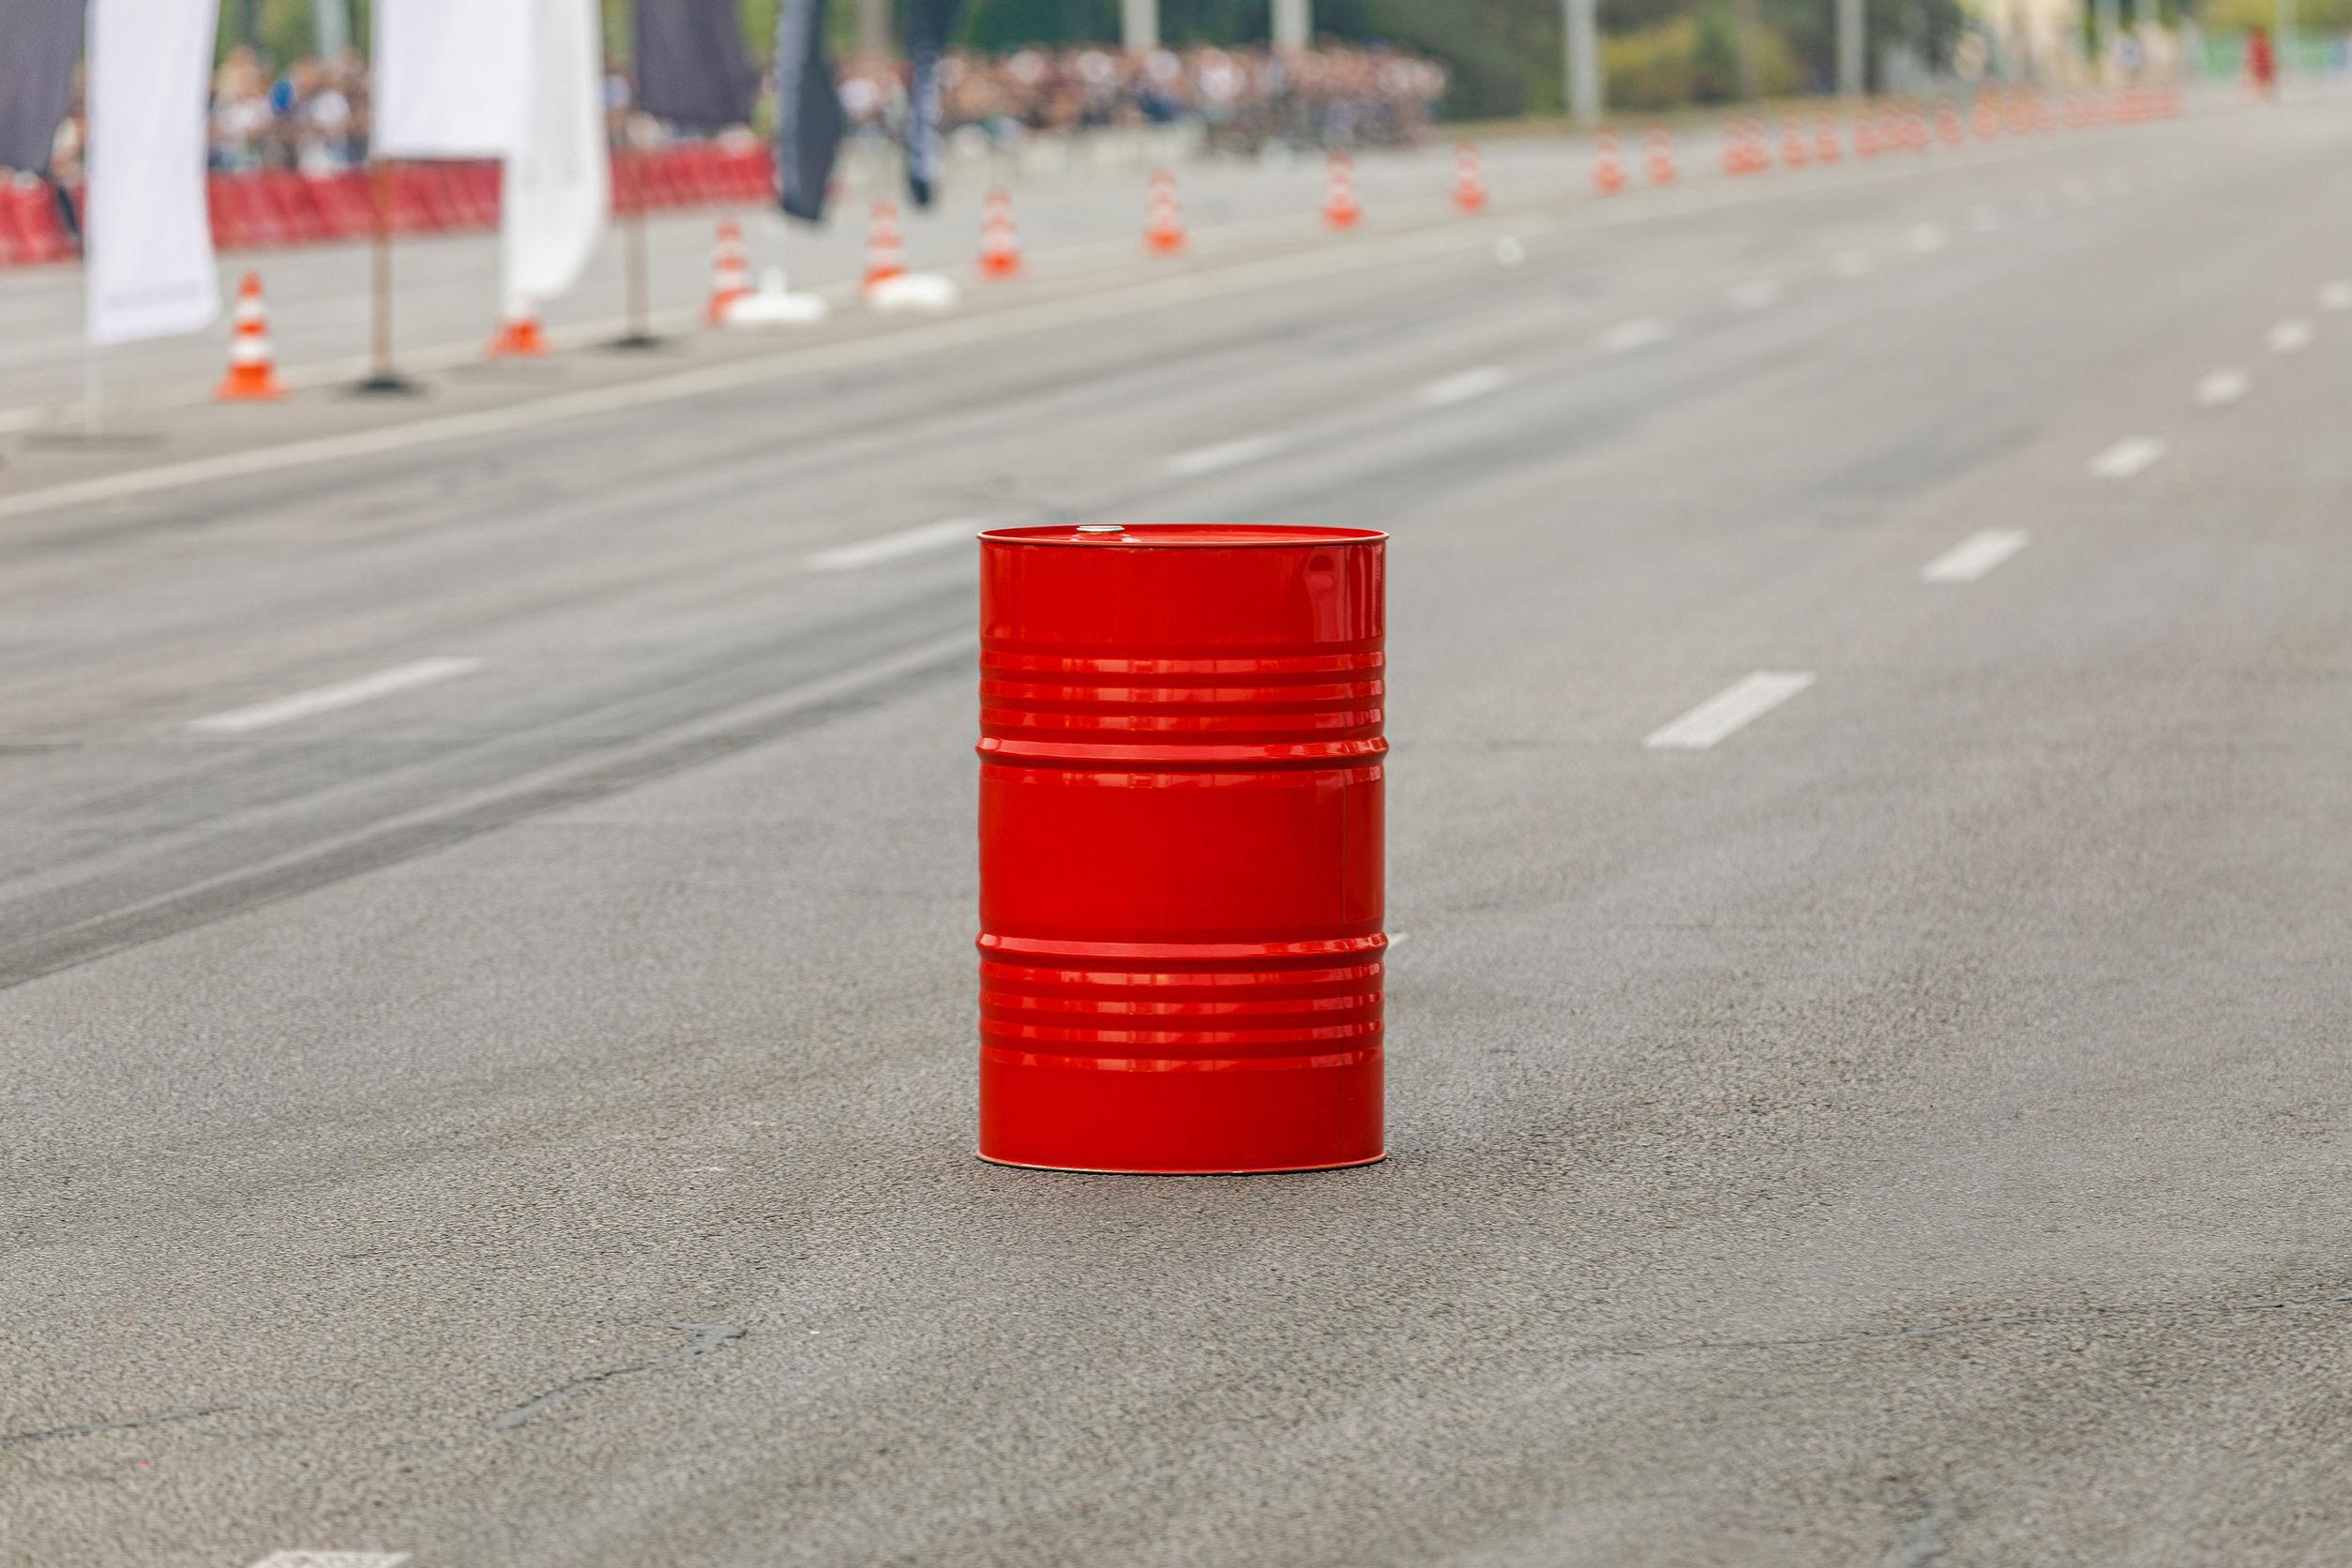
(330, 26)
(1139, 24)
(381, 377)
(2285, 51)
(1293, 23)
(873, 27)
(1852, 80)
(638, 276)
(1580, 59)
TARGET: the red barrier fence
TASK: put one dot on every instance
(273, 208)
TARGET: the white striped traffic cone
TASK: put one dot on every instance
(252, 376)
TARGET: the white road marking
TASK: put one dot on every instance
(2291, 336)
(1748, 698)
(1224, 455)
(1640, 333)
(2336, 296)
(1754, 294)
(1462, 386)
(1397, 939)
(333, 1560)
(1925, 237)
(1975, 555)
(890, 547)
(2130, 456)
(2219, 387)
(1851, 263)
(325, 699)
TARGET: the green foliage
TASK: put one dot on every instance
(2244, 16)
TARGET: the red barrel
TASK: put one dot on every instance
(1181, 837)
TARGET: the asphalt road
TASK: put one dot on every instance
(485, 893)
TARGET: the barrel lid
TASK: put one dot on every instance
(1160, 536)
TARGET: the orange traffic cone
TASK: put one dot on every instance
(1658, 160)
(1164, 219)
(1469, 178)
(1340, 209)
(252, 369)
(1795, 151)
(521, 336)
(1948, 130)
(1609, 163)
(1867, 135)
(1985, 120)
(730, 277)
(1000, 242)
(1825, 142)
(885, 247)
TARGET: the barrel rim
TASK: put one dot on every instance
(1186, 535)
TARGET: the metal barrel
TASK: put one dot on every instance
(1180, 846)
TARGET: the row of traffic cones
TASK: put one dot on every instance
(1746, 150)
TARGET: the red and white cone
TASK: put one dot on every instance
(1658, 160)
(252, 376)
(1000, 242)
(1826, 148)
(1795, 150)
(1341, 210)
(731, 277)
(1469, 178)
(1609, 163)
(1164, 216)
(886, 246)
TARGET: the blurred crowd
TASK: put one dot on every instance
(312, 114)
(1242, 98)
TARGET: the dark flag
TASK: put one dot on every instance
(809, 117)
(691, 67)
(929, 25)
(39, 41)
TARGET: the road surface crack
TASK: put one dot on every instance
(707, 1337)
(121, 1424)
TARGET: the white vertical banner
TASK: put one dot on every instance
(447, 77)
(150, 269)
(556, 195)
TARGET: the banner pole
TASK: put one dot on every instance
(637, 265)
(381, 377)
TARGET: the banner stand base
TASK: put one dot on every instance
(386, 382)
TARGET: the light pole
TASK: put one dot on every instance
(1580, 59)
(1139, 24)
(1852, 79)
(1293, 23)
(330, 26)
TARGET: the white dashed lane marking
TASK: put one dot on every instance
(2222, 386)
(1462, 386)
(342, 694)
(1975, 555)
(1224, 455)
(1925, 238)
(2336, 296)
(1638, 333)
(1744, 701)
(890, 547)
(1851, 263)
(1754, 294)
(2132, 455)
(2291, 336)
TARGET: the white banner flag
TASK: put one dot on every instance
(447, 77)
(150, 270)
(557, 188)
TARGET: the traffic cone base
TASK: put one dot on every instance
(521, 337)
(886, 249)
(1470, 179)
(1341, 209)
